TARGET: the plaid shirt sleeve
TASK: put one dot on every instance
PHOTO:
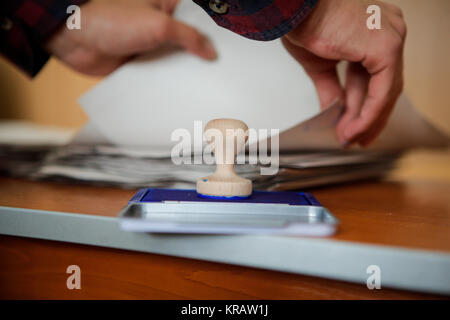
(25, 25)
(258, 19)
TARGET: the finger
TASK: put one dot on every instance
(380, 98)
(161, 28)
(376, 129)
(394, 9)
(385, 85)
(374, 132)
(399, 25)
(321, 71)
(94, 64)
(167, 6)
(328, 87)
(107, 66)
(396, 70)
(189, 39)
(356, 84)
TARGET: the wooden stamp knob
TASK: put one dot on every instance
(227, 138)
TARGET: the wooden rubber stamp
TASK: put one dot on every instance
(227, 138)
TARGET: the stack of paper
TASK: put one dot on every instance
(24, 146)
(96, 165)
(90, 158)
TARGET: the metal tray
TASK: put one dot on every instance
(183, 211)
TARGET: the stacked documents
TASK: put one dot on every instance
(309, 155)
(106, 165)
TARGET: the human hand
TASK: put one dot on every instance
(335, 31)
(113, 31)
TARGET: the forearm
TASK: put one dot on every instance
(26, 25)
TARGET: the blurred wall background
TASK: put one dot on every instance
(51, 97)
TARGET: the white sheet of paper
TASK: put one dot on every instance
(257, 82)
(406, 128)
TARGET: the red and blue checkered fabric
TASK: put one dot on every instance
(260, 19)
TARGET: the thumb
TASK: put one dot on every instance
(167, 6)
(321, 71)
(190, 39)
(161, 28)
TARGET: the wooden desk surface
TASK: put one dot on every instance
(409, 209)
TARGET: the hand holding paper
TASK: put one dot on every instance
(335, 31)
(114, 31)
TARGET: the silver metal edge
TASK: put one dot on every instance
(419, 270)
(328, 215)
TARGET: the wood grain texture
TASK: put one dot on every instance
(406, 210)
(31, 269)
(413, 214)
